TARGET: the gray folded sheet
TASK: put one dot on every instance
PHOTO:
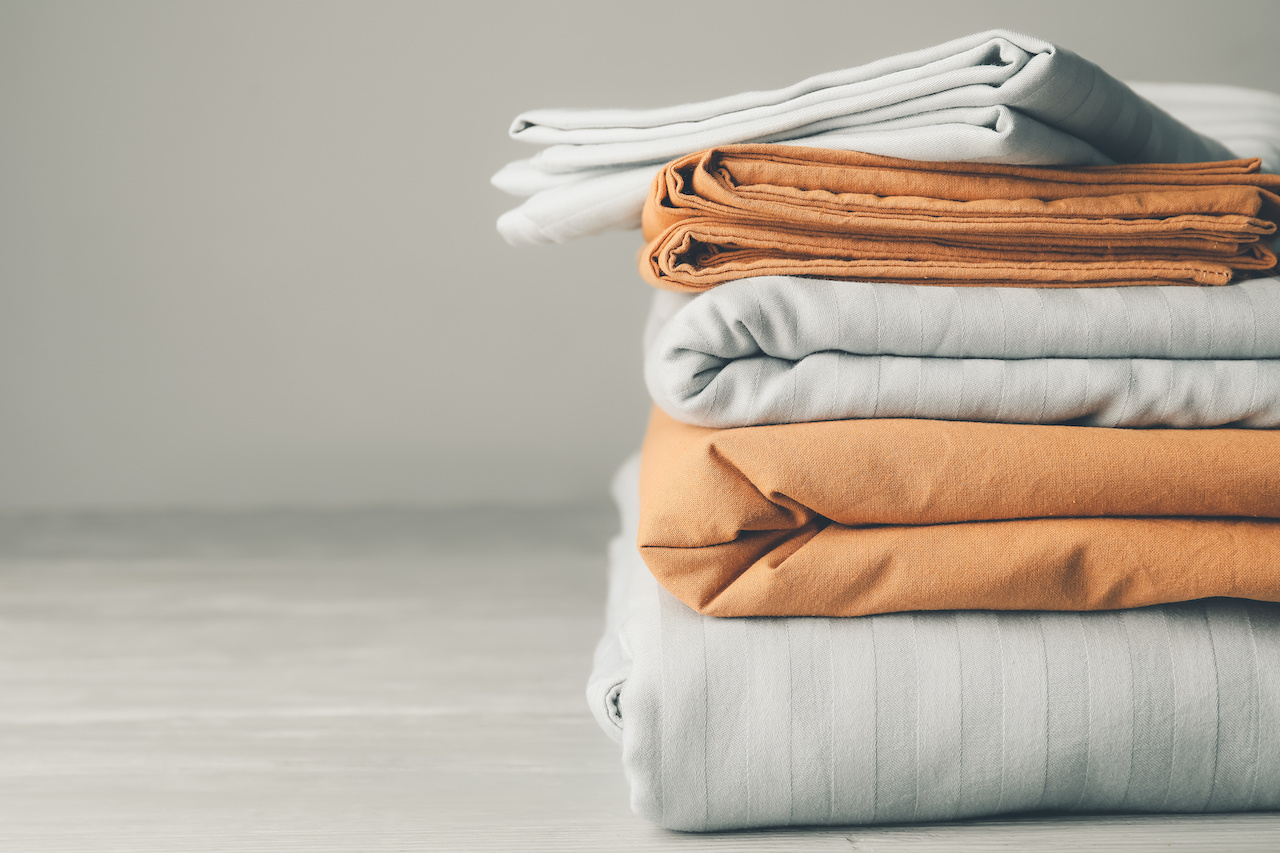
(996, 97)
(737, 723)
(784, 350)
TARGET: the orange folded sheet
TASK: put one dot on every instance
(751, 210)
(848, 518)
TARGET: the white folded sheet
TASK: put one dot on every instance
(996, 97)
(783, 350)
(735, 723)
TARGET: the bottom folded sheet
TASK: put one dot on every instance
(752, 722)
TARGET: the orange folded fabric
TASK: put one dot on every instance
(751, 210)
(848, 518)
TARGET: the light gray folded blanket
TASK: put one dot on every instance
(737, 723)
(997, 96)
(785, 350)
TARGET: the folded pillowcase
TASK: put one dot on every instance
(784, 350)
(748, 210)
(902, 718)
(848, 518)
(996, 96)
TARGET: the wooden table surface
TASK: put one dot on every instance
(357, 681)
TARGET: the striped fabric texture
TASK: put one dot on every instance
(1245, 120)
(732, 723)
(785, 350)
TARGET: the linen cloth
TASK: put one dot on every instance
(782, 350)
(745, 210)
(989, 97)
(738, 723)
(848, 518)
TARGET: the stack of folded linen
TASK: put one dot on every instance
(953, 593)
(739, 211)
(993, 97)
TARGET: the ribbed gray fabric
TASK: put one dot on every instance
(1245, 120)
(996, 97)
(784, 350)
(736, 723)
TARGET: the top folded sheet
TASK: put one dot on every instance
(994, 97)
(751, 210)
(1096, 118)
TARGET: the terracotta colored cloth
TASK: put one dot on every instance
(753, 210)
(848, 518)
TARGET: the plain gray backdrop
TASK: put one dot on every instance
(247, 254)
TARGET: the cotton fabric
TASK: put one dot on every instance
(910, 717)
(784, 350)
(849, 518)
(744, 210)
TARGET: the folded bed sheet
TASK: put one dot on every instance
(853, 517)
(784, 349)
(996, 97)
(750, 210)
(1085, 107)
(908, 717)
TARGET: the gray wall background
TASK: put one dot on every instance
(247, 254)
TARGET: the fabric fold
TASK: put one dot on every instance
(996, 68)
(784, 349)
(853, 517)
(750, 210)
(910, 717)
